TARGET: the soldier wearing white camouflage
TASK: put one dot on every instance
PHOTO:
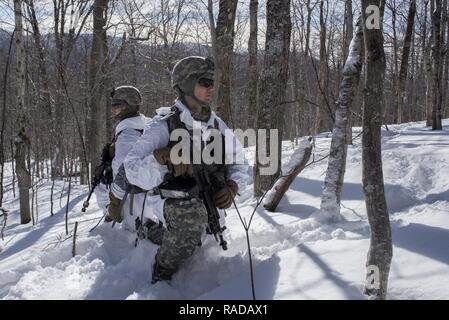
(150, 167)
(125, 105)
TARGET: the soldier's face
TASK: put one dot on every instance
(115, 110)
(204, 93)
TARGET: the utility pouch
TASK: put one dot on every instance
(178, 188)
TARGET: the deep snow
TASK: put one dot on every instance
(297, 255)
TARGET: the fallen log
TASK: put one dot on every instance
(296, 164)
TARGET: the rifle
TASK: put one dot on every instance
(94, 184)
(102, 173)
(207, 184)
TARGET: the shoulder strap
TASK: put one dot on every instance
(216, 125)
(117, 135)
(174, 122)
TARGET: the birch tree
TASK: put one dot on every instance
(333, 183)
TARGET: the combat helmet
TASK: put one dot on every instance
(128, 96)
(188, 71)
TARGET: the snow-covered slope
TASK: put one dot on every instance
(296, 255)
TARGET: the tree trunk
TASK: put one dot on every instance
(436, 66)
(21, 141)
(445, 57)
(429, 87)
(2, 130)
(213, 32)
(224, 53)
(297, 163)
(348, 39)
(414, 79)
(45, 101)
(429, 73)
(273, 79)
(333, 183)
(99, 22)
(392, 113)
(320, 124)
(252, 64)
(305, 88)
(296, 93)
(404, 62)
(380, 251)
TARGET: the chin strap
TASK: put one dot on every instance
(206, 110)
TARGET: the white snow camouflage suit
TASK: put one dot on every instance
(185, 219)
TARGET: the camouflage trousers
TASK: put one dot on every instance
(186, 221)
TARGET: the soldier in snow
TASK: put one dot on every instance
(125, 104)
(175, 197)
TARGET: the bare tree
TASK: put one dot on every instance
(2, 130)
(273, 80)
(428, 66)
(252, 64)
(349, 29)
(436, 66)
(391, 114)
(69, 20)
(224, 52)
(380, 251)
(404, 62)
(212, 29)
(444, 57)
(320, 97)
(96, 58)
(21, 140)
(333, 183)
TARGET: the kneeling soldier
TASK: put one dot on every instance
(177, 200)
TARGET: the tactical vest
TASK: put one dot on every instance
(218, 171)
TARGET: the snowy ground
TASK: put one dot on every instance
(296, 255)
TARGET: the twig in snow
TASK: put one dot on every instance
(98, 222)
(74, 240)
(247, 226)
